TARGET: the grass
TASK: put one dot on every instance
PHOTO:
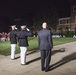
(33, 44)
(58, 41)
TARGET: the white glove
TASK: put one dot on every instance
(27, 29)
(16, 28)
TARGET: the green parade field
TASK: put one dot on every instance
(33, 44)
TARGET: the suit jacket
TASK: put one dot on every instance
(13, 37)
(45, 39)
(22, 38)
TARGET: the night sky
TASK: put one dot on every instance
(12, 9)
(16, 8)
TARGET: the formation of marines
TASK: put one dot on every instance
(22, 38)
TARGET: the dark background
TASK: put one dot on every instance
(12, 11)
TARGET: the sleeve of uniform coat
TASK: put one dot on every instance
(29, 33)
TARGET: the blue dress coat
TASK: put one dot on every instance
(23, 38)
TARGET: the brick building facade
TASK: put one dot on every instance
(68, 22)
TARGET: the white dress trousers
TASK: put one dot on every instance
(23, 54)
(13, 49)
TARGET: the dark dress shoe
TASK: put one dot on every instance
(48, 69)
(43, 69)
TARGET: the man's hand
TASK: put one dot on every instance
(16, 28)
(27, 29)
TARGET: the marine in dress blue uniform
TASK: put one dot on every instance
(23, 42)
(45, 45)
(13, 41)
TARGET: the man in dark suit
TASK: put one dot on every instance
(13, 41)
(23, 42)
(45, 45)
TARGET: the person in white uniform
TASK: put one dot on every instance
(13, 41)
(23, 42)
